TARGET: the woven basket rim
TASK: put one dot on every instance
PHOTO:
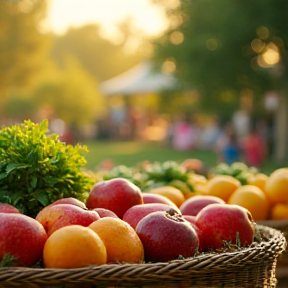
(273, 223)
(254, 258)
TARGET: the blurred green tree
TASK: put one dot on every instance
(22, 45)
(103, 58)
(70, 93)
(231, 53)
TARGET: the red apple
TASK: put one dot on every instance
(192, 221)
(193, 205)
(7, 208)
(224, 222)
(157, 198)
(105, 213)
(70, 200)
(134, 214)
(190, 218)
(56, 216)
(166, 236)
(117, 195)
(22, 237)
(192, 164)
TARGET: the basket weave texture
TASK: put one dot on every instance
(250, 267)
(281, 225)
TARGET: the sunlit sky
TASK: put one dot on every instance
(63, 14)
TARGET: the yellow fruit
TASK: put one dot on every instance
(279, 211)
(121, 240)
(201, 189)
(222, 186)
(197, 179)
(253, 199)
(276, 186)
(199, 184)
(258, 180)
(172, 193)
(74, 246)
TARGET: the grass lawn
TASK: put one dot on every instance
(131, 153)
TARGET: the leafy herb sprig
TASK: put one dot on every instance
(37, 169)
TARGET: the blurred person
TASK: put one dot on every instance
(210, 134)
(241, 122)
(118, 116)
(182, 134)
(254, 148)
(231, 151)
(227, 146)
(59, 127)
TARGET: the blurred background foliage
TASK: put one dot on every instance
(43, 73)
(225, 57)
(226, 52)
(232, 54)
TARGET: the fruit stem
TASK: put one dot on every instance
(173, 214)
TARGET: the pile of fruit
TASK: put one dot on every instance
(265, 196)
(153, 212)
(121, 224)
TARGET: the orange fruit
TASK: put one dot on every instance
(172, 193)
(222, 186)
(253, 199)
(120, 239)
(74, 246)
(258, 180)
(199, 189)
(276, 186)
(279, 211)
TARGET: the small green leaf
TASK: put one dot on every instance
(8, 261)
(33, 157)
(4, 197)
(15, 198)
(50, 181)
(13, 166)
(42, 197)
(43, 126)
(238, 242)
(3, 175)
(34, 181)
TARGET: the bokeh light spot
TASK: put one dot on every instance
(212, 44)
(176, 37)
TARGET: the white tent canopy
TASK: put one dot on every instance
(140, 79)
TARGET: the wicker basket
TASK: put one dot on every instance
(281, 225)
(251, 267)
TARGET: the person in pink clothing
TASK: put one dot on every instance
(254, 148)
(182, 137)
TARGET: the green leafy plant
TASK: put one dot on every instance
(167, 173)
(8, 261)
(36, 168)
(237, 170)
(122, 171)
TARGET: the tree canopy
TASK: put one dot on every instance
(226, 49)
(71, 93)
(22, 46)
(59, 73)
(101, 57)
